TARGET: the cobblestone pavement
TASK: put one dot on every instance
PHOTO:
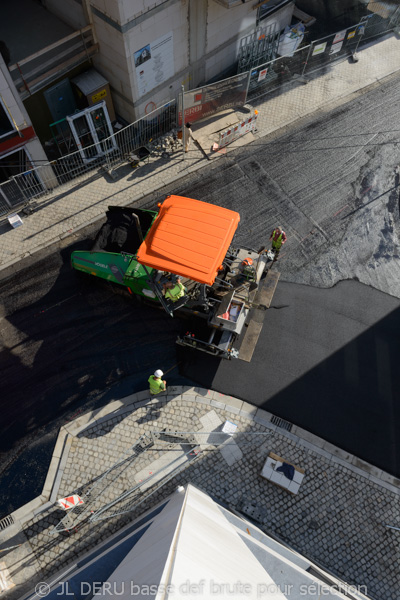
(84, 201)
(337, 519)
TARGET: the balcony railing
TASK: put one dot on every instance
(45, 66)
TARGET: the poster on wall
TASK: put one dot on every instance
(154, 63)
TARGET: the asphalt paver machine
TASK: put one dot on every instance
(226, 290)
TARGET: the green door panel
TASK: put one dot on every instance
(107, 265)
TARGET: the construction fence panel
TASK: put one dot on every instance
(258, 47)
(146, 132)
(154, 460)
(5, 204)
(213, 98)
(115, 150)
(334, 47)
(12, 193)
(17, 191)
(384, 17)
(273, 75)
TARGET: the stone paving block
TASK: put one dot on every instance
(172, 397)
(335, 504)
(231, 452)
(143, 395)
(248, 410)
(189, 392)
(205, 394)
(210, 421)
(220, 405)
(296, 440)
(317, 449)
(201, 400)
(228, 400)
(233, 411)
(366, 467)
(335, 451)
(387, 478)
(308, 436)
(175, 390)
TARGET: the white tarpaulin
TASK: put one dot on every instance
(290, 39)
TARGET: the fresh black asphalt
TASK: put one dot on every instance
(326, 359)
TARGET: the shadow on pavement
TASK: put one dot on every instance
(328, 363)
(70, 344)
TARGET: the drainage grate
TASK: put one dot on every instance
(6, 522)
(281, 423)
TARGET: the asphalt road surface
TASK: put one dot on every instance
(68, 345)
(326, 358)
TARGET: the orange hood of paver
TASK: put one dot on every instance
(189, 238)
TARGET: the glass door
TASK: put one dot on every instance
(92, 132)
(100, 125)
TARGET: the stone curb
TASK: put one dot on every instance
(299, 436)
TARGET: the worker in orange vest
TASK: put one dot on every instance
(278, 238)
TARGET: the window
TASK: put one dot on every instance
(6, 124)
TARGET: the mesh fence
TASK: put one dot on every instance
(322, 53)
(272, 75)
(156, 458)
(334, 47)
(157, 131)
(213, 98)
(383, 18)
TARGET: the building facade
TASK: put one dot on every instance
(148, 49)
(20, 147)
(127, 58)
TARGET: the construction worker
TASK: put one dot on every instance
(157, 384)
(188, 136)
(174, 291)
(278, 237)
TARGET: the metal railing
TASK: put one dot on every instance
(168, 454)
(319, 54)
(274, 74)
(43, 180)
(271, 76)
(258, 47)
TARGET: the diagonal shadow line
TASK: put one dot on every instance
(103, 199)
(265, 146)
(370, 201)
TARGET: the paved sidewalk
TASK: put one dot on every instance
(337, 519)
(70, 208)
